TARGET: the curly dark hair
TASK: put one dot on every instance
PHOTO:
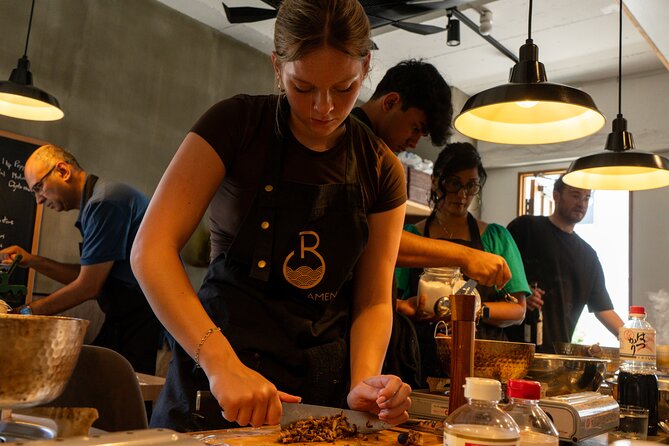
(420, 85)
(453, 158)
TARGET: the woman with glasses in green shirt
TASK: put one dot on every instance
(457, 180)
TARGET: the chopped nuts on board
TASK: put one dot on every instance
(326, 429)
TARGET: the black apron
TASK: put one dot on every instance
(130, 327)
(282, 293)
(430, 362)
(487, 293)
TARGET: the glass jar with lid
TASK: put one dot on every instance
(436, 284)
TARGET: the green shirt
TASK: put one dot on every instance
(496, 239)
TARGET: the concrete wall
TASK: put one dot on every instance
(132, 78)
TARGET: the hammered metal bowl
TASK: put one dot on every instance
(562, 374)
(37, 356)
(498, 360)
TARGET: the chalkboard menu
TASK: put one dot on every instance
(20, 217)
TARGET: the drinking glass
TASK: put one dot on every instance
(633, 424)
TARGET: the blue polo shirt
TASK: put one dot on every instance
(108, 222)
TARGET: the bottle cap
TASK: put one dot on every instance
(637, 309)
(483, 389)
(521, 388)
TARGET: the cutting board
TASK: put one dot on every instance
(269, 435)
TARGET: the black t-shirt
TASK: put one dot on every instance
(242, 130)
(564, 266)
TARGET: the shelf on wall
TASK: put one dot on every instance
(419, 209)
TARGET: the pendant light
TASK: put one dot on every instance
(619, 167)
(19, 98)
(529, 110)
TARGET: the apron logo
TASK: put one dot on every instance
(305, 276)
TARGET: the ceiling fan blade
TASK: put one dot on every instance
(247, 14)
(434, 4)
(418, 28)
(377, 22)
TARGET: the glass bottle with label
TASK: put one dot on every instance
(533, 327)
(535, 426)
(637, 379)
(481, 421)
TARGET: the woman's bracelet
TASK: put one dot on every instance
(199, 346)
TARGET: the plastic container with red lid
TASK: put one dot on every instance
(535, 426)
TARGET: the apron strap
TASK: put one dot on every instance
(89, 185)
(267, 203)
(474, 233)
(86, 194)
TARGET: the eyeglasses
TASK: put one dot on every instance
(37, 187)
(453, 185)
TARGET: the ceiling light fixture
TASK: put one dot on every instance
(19, 98)
(619, 167)
(529, 109)
(453, 30)
(485, 22)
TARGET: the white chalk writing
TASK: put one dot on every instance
(17, 185)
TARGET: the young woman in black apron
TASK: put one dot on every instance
(296, 304)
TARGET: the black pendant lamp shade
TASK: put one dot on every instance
(619, 167)
(19, 98)
(529, 109)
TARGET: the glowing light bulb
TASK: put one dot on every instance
(527, 104)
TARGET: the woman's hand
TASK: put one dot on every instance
(246, 397)
(411, 307)
(414, 308)
(385, 395)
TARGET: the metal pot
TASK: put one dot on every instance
(37, 356)
(663, 407)
(662, 352)
(499, 360)
(561, 374)
(594, 351)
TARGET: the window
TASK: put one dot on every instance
(605, 228)
(536, 192)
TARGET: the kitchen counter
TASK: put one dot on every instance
(603, 440)
(268, 435)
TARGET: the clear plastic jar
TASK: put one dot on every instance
(637, 343)
(481, 421)
(436, 284)
(535, 426)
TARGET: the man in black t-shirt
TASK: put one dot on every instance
(565, 268)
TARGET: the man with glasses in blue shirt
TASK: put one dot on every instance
(109, 217)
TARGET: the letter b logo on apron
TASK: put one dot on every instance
(307, 270)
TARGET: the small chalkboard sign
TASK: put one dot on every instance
(20, 216)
